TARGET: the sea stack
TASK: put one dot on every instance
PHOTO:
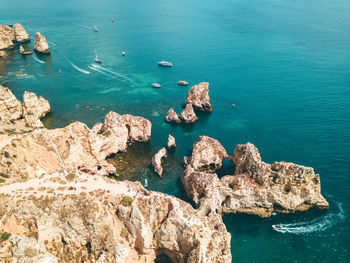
(157, 161)
(20, 34)
(171, 142)
(198, 96)
(188, 115)
(6, 37)
(40, 44)
(172, 117)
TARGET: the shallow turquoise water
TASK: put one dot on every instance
(285, 64)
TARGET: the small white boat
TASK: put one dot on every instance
(156, 85)
(146, 183)
(165, 63)
(112, 19)
(123, 53)
(97, 59)
(182, 83)
(277, 227)
(95, 28)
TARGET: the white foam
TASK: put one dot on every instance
(77, 68)
(37, 59)
(100, 71)
(316, 225)
(112, 72)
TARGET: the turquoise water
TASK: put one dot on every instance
(285, 64)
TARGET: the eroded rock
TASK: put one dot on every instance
(171, 142)
(40, 44)
(157, 161)
(172, 117)
(10, 106)
(188, 115)
(34, 108)
(20, 34)
(198, 96)
(6, 37)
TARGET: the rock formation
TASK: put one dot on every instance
(40, 44)
(23, 52)
(10, 107)
(100, 220)
(198, 96)
(6, 37)
(157, 161)
(171, 142)
(172, 117)
(255, 188)
(20, 35)
(188, 115)
(34, 108)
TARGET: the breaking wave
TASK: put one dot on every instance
(316, 225)
(111, 72)
(77, 68)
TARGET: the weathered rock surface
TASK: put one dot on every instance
(255, 188)
(188, 115)
(171, 142)
(6, 37)
(34, 108)
(10, 106)
(198, 96)
(172, 117)
(20, 34)
(40, 44)
(157, 161)
(105, 221)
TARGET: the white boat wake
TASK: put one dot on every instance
(77, 68)
(38, 60)
(100, 71)
(111, 72)
(316, 225)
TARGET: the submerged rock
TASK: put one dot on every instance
(255, 188)
(188, 115)
(40, 44)
(20, 34)
(34, 108)
(171, 142)
(198, 96)
(157, 161)
(172, 117)
(6, 37)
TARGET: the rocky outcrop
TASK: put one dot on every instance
(157, 161)
(20, 34)
(23, 52)
(10, 106)
(188, 115)
(40, 44)
(34, 108)
(172, 117)
(198, 96)
(255, 188)
(105, 221)
(171, 142)
(6, 37)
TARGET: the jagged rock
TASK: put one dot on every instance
(23, 52)
(171, 142)
(40, 44)
(20, 34)
(34, 108)
(255, 188)
(157, 161)
(172, 117)
(198, 96)
(10, 106)
(207, 153)
(94, 223)
(6, 37)
(188, 115)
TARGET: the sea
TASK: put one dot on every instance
(279, 74)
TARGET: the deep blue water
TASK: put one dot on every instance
(285, 64)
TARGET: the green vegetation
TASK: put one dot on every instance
(11, 131)
(70, 177)
(124, 233)
(4, 175)
(6, 154)
(127, 201)
(2, 180)
(106, 133)
(5, 236)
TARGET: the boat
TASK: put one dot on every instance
(146, 183)
(165, 63)
(123, 53)
(21, 50)
(95, 28)
(112, 19)
(156, 85)
(182, 83)
(97, 59)
(277, 227)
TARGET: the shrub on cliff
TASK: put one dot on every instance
(127, 201)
